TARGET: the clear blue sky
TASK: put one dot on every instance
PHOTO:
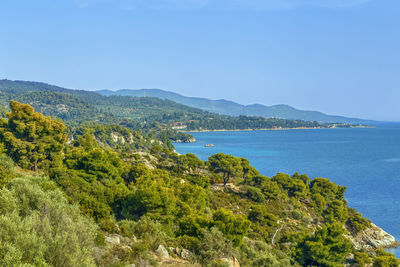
(336, 56)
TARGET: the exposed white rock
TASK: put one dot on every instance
(190, 140)
(373, 238)
(112, 239)
(117, 138)
(186, 254)
(230, 261)
(162, 252)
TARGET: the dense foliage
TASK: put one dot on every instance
(78, 106)
(141, 194)
(40, 228)
(31, 138)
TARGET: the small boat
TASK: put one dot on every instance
(209, 145)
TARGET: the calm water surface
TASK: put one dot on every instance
(366, 160)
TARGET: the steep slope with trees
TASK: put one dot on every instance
(231, 108)
(78, 106)
(155, 207)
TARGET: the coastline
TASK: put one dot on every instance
(273, 129)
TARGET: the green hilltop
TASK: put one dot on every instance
(79, 106)
(231, 108)
(99, 194)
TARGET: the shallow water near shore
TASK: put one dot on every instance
(366, 160)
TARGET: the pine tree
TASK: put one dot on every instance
(31, 138)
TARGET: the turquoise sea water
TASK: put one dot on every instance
(366, 160)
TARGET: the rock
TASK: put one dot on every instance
(373, 238)
(112, 239)
(231, 261)
(186, 254)
(190, 140)
(229, 186)
(162, 252)
(127, 249)
(350, 257)
(117, 138)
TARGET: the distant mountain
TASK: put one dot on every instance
(227, 107)
(78, 106)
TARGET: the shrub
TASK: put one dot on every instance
(255, 194)
(213, 246)
(297, 215)
(356, 222)
(336, 211)
(327, 247)
(258, 253)
(384, 259)
(6, 169)
(41, 228)
(233, 226)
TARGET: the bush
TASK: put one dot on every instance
(40, 227)
(327, 247)
(233, 226)
(356, 222)
(258, 253)
(6, 169)
(297, 215)
(255, 194)
(361, 258)
(336, 211)
(271, 189)
(384, 259)
(213, 246)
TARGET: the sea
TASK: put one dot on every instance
(365, 160)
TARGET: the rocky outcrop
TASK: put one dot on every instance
(161, 251)
(189, 140)
(230, 261)
(117, 138)
(229, 186)
(112, 239)
(182, 253)
(373, 238)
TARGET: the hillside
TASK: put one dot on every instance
(87, 202)
(234, 109)
(78, 106)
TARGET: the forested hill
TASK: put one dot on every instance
(83, 202)
(77, 106)
(227, 107)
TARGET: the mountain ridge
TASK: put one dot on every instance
(228, 107)
(220, 106)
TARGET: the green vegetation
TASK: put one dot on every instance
(234, 109)
(40, 228)
(139, 113)
(31, 138)
(114, 195)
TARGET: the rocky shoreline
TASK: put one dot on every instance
(373, 238)
(271, 129)
(190, 140)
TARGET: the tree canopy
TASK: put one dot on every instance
(31, 138)
(227, 165)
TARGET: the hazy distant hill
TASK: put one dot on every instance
(79, 106)
(231, 108)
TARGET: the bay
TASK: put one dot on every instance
(366, 160)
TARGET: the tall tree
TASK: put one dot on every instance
(228, 165)
(31, 138)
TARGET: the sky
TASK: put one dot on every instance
(340, 57)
